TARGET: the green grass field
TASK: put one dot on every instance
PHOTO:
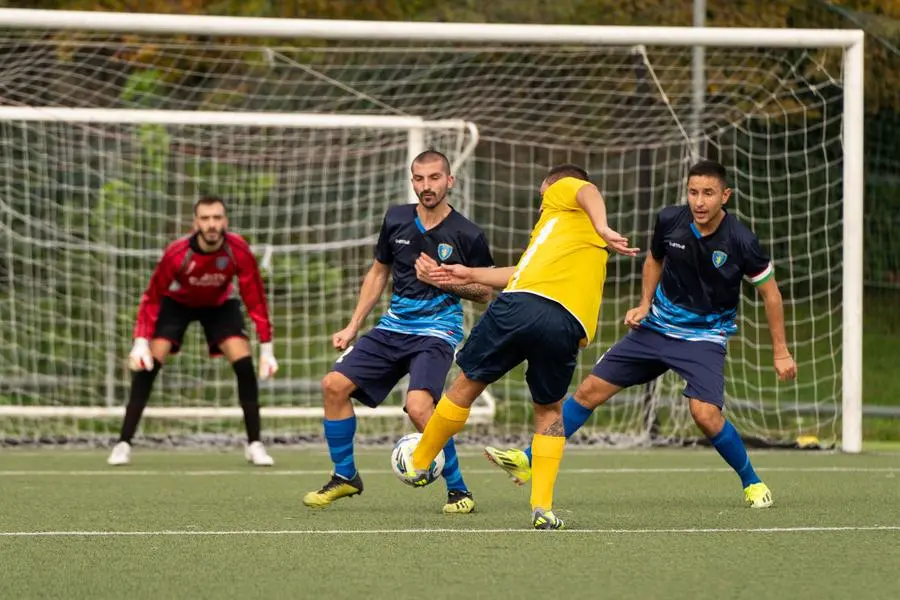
(644, 524)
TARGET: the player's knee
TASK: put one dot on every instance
(336, 389)
(419, 407)
(707, 416)
(593, 391)
(160, 350)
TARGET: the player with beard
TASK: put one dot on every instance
(193, 282)
(417, 335)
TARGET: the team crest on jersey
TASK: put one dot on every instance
(719, 258)
(444, 251)
(221, 263)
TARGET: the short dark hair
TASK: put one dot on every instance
(208, 201)
(566, 170)
(709, 168)
(431, 155)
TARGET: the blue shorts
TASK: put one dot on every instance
(520, 326)
(643, 355)
(381, 358)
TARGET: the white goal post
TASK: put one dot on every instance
(495, 38)
(415, 129)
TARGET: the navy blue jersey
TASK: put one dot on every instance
(698, 295)
(418, 308)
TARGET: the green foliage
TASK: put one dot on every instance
(114, 211)
(142, 89)
(303, 275)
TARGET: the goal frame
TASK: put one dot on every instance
(415, 127)
(851, 41)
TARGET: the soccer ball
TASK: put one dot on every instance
(401, 456)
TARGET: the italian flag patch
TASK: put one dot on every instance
(764, 275)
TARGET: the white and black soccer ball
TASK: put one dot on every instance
(401, 456)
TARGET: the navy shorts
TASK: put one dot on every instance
(643, 355)
(381, 358)
(521, 326)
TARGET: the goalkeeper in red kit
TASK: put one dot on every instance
(193, 282)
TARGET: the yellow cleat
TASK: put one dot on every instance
(459, 503)
(336, 488)
(513, 461)
(758, 495)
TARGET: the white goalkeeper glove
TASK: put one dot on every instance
(140, 358)
(268, 366)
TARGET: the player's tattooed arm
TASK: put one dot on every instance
(469, 291)
(427, 268)
(555, 429)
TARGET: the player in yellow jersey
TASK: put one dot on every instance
(548, 309)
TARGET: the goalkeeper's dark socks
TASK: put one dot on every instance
(141, 386)
(574, 417)
(248, 395)
(731, 447)
(339, 435)
(452, 473)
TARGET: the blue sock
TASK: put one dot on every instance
(729, 444)
(574, 417)
(339, 435)
(452, 474)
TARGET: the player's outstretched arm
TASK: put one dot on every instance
(148, 310)
(474, 291)
(650, 276)
(493, 277)
(785, 367)
(372, 287)
(253, 294)
(591, 201)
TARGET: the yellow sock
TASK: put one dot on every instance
(448, 420)
(546, 454)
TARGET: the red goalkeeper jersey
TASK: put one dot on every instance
(196, 278)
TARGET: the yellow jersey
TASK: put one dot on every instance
(566, 259)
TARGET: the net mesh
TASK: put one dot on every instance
(87, 207)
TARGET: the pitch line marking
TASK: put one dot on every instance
(317, 532)
(126, 471)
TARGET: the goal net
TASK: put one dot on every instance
(109, 134)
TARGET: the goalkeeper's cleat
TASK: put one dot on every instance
(545, 519)
(256, 454)
(459, 502)
(513, 461)
(336, 488)
(120, 455)
(758, 495)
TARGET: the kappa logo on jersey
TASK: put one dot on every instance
(444, 251)
(221, 263)
(719, 258)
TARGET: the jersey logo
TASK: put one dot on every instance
(444, 251)
(221, 263)
(719, 258)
